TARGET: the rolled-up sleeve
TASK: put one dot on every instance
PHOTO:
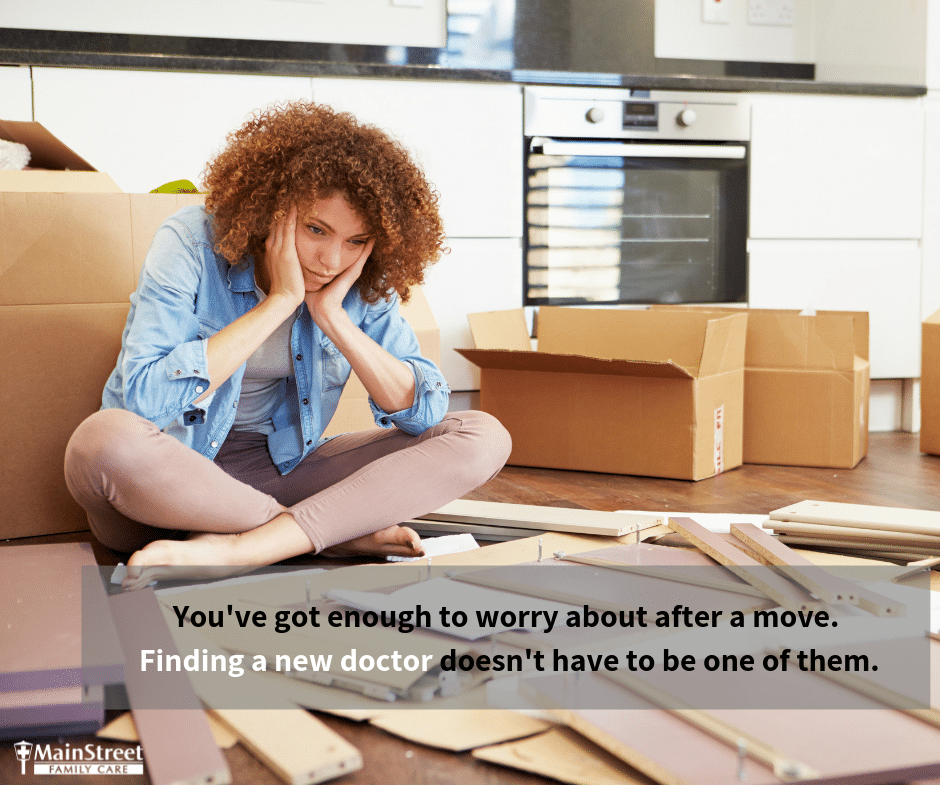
(165, 365)
(386, 326)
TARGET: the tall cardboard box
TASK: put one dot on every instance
(806, 387)
(68, 263)
(930, 385)
(616, 391)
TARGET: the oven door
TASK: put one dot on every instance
(635, 223)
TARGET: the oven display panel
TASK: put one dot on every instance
(641, 115)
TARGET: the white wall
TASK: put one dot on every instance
(379, 22)
(872, 41)
(681, 32)
(16, 91)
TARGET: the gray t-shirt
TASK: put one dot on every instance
(266, 367)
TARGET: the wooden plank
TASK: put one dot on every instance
(815, 579)
(177, 743)
(295, 745)
(781, 590)
(852, 533)
(548, 518)
(784, 768)
(825, 585)
(42, 627)
(564, 755)
(488, 533)
(881, 518)
(458, 729)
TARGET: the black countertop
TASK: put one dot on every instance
(539, 50)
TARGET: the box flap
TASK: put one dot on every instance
(537, 361)
(934, 318)
(637, 335)
(47, 152)
(723, 348)
(502, 330)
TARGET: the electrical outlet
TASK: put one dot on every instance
(716, 11)
(770, 12)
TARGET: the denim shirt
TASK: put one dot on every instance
(187, 293)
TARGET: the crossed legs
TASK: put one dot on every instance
(144, 491)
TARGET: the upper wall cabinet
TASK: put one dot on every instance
(16, 93)
(836, 167)
(467, 137)
(145, 128)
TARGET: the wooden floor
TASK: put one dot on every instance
(894, 474)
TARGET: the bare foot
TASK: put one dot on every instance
(201, 557)
(394, 540)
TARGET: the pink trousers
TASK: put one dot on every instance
(138, 484)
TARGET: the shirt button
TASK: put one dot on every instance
(309, 442)
(214, 444)
(178, 372)
(438, 384)
(306, 402)
(199, 389)
(197, 371)
(299, 357)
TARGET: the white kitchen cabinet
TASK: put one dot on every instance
(930, 245)
(836, 167)
(145, 128)
(16, 93)
(466, 136)
(478, 275)
(933, 44)
(878, 277)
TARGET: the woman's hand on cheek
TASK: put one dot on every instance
(285, 276)
(327, 302)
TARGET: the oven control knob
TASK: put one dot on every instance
(687, 117)
(595, 115)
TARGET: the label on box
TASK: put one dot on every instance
(719, 439)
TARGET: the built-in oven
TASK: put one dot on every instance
(635, 197)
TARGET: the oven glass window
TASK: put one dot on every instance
(624, 230)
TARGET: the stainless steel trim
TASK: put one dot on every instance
(555, 148)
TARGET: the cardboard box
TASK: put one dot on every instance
(806, 387)
(53, 166)
(930, 385)
(68, 263)
(616, 391)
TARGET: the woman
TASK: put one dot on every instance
(247, 319)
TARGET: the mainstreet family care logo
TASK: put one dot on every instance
(90, 759)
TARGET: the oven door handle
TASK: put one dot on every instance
(640, 150)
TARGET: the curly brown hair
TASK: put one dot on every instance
(295, 153)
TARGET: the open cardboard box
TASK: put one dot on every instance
(646, 393)
(806, 386)
(930, 385)
(68, 263)
(53, 166)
